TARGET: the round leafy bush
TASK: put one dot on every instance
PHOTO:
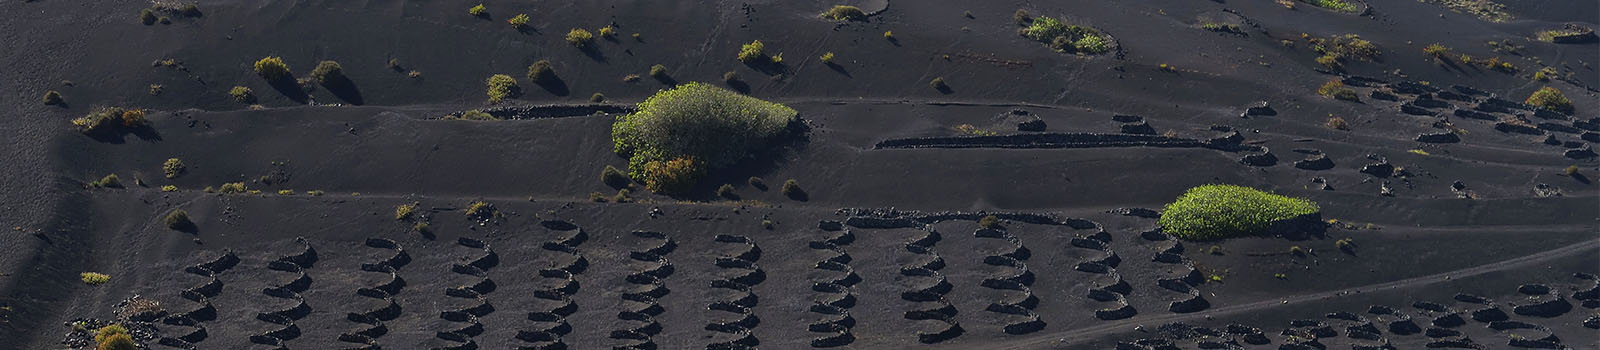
(1550, 98)
(844, 13)
(1224, 211)
(579, 37)
(272, 68)
(501, 86)
(710, 126)
(540, 71)
(752, 52)
(328, 71)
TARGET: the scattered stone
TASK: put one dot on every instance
(1414, 109)
(1546, 191)
(1444, 137)
(1385, 190)
(1472, 114)
(1259, 108)
(1551, 140)
(1517, 128)
(1548, 126)
(1381, 169)
(1263, 159)
(1315, 162)
(1581, 153)
(1031, 125)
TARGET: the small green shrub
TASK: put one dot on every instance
(597, 197)
(404, 211)
(844, 13)
(501, 86)
(597, 98)
(242, 94)
(791, 188)
(169, 188)
(1223, 211)
(1091, 44)
(938, 83)
(1550, 98)
(622, 196)
(108, 181)
(756, 182)
(1570, 170)
(481, 210)
(752, 52)
(630, 78)
(1544, 74)
(1337, 123)
(189, 10)
(328, 72)
(1022, 17)
(1330, 61)
(889, 34)
(95, 278)
(726, 191)
(121, 341)
(1437, 50)
(272, 68)
(172, 168)
(730, 77)
(178, 219)
(519, 21)
(52, 98)
(778, 58)
(607, 32)
(579, 37)
(1345, 245)
(767, 224)
(147, 17)
(989, 221)
(478, 11)
(540, 72)
(315, 193)
(672, 176)
(1336, 5)
(1058, 35)
(421, 227)
(614, 178)
(827, 57)
(658, 72)
(474, 114)
(1336, 89)
(232, 188)
(1297, 251)
(111, 120)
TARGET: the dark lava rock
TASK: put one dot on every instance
(1590, 136)
(1380, 95)
(1443, 137)
(1581, 153)
(1548, 126)
(1031, 125)
(1411, 87)
(1572, 144)
(1404, 327)
(1123, 312)
(1469, 90)
(1550, 114)
(1232, 138)
(1469, 298)
(1383, 169)
(1449, 321)
(1194, 304)
(1315, 162)
(1552, 308)
(1593, 124)
(1430, 103)
(1546, 191)
(1260, 108)
(1141, 128)
(1533, 289)
(1491, 314)
(1517, 128)
(1414, 109)
(1127, 118)
(1454, 96)
(1264, 159)
(1472, 114)
(1551, 140)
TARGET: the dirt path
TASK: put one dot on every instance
(1076, 336)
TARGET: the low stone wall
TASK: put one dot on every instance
(1043, 140)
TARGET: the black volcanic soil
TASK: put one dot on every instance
(1422, 249)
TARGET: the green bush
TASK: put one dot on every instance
(95, 278)
(481, 210)
(478, 11)
(472, 115)
(658, 72)
(697, 121)
(597, 98)
(607, 31)
(1336, 5)
(673, 176)
(111, 119)
(178, 219)
(121, 341)
(579, 37)
(501, 86)
(540, 72)
(989, 221)
(845, 13)
(328, 71)
(404, 211)
(1058, 34)
(52, 98)
(172, 167)
(1550, 98)
(1436, 50)
(1336, 89)
(726, 191)
(272, 68)
(938, 83)
(519, 21)
(1223, 211)
(791, 189)
(614, 178)
(109, 181)
(242, 94)
(147, 17)
(827, 57)
(232, 188)
(752, 52)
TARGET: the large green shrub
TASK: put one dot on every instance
(713, 126)
(272, 68)
(328, 72)
(844, 13)
(1550, 98)
(501, 86)
(1223, 211)
(1064, 37)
